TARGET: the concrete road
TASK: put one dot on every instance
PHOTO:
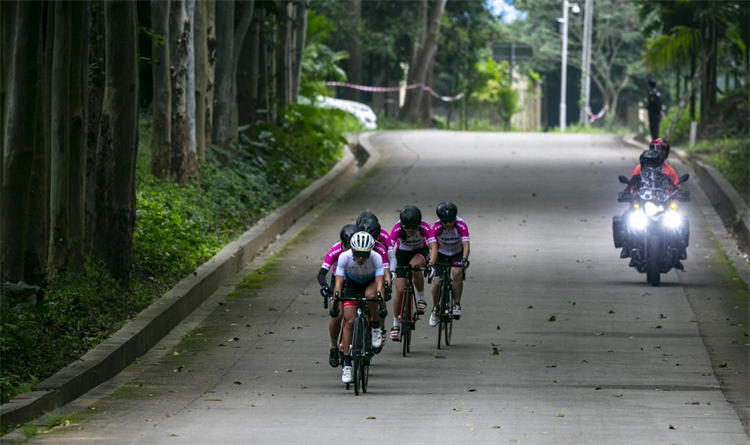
(622, 362)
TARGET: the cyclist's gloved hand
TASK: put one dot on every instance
(387, 288)
(430, 272)
(465, 262)
(325, 291)
(334, 311)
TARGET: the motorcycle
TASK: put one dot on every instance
(653, 232)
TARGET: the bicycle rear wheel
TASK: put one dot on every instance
(448, 316)
(440, 313)
(405, 331)
(356, 352)
(364, 374)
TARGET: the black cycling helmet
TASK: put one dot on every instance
(651, 158)
(366, 215)
(446, 211)
(346, 233)
(369, 225)
(661, 145)
(410, 216)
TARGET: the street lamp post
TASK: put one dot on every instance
(564, 67)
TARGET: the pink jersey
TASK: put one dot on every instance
(385, 239)
(383, 251)
(423, 237)
(450, 241)
(332, 257)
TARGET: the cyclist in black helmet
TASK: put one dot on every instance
(411, 235)
(451, 245)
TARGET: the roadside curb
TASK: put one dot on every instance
(154, 322)
(724, 198)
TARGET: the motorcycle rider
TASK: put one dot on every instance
(663, 147)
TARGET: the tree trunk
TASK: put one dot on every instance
(240, 32)
(78, 130)
(708, 85)
(268, 65)
(191, 152)
(211, 81)
(18, 145)
(201, 78)
(182, 158)
(223, 95)
(683, 102)
(300, 33)
(119, 134)
(161, 141)
(426, 103)
(425, 58)
(7, 18)
(247, 78)
(354, 47)
(60, 143)
(283, 54)
(95, 187)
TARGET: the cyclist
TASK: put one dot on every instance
(368, 222)
(357, 272)
(451, 235)
(411, 235)
(329, 263)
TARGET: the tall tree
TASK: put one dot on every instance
(223, 93)
(285, 11)
(79, 75)
(425, 58)
(119, 135)
(161, 140)
(201, 77)
(354, 62)
(18, 144)
(300, 33)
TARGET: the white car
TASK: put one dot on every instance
(362, 112)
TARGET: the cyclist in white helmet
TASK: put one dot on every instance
(359, 272)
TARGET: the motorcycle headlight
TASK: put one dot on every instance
(672, 220)
(637, 221)
(651, 208)
(673, 205)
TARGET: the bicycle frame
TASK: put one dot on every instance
(445, 302)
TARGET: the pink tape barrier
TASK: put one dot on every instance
(392, 89)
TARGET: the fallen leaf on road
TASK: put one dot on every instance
(611, 312)
(370, 417)
(498, 328)
(658, 326)
(471, 390)
(173, 435)
(437, 355)
(671, 427)
(552, 366)
(693, 403)
(598, 388)
(178, 369)
(237, 382)
(559, 415)
(662, 317)
(273, 309)
(495, 351)
(552, 318)
(495, 427)
(530, 307)
(463, 410)
(617, 395)
(288, 370)
(212, 400)
(722, 365)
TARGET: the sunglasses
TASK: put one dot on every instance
(414, 227)
(358, 254)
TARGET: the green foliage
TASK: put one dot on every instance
(731, 156)
(319, 62)
(682, 129)
(43, 331)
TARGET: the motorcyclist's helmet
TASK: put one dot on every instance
(410, 217)
(651, 158)
(446, 211)
(661, 145)
(369, 225)
(362, 244)
(346, 233)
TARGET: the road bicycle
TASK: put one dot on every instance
(361, 350)
(408, 311)
(445, 301)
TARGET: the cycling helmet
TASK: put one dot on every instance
(446, 211)
(369, 225)
(362, 243)
(366, 215)
(651, 158)
(661, 145)
(346, 233)
(410, 216)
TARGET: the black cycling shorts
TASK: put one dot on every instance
(448, 259)
(404, 257)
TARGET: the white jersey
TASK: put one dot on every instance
(365, 273)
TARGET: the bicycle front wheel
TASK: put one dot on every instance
(405, 322)
(357, 351)
(364, 374)
(448, 316)
(440, 315)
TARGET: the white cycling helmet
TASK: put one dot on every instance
(362, 242)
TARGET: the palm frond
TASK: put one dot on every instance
(668, 50)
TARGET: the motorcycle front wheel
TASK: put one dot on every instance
(654, 260)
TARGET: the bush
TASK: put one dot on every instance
(681, 132)
(731, 158)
